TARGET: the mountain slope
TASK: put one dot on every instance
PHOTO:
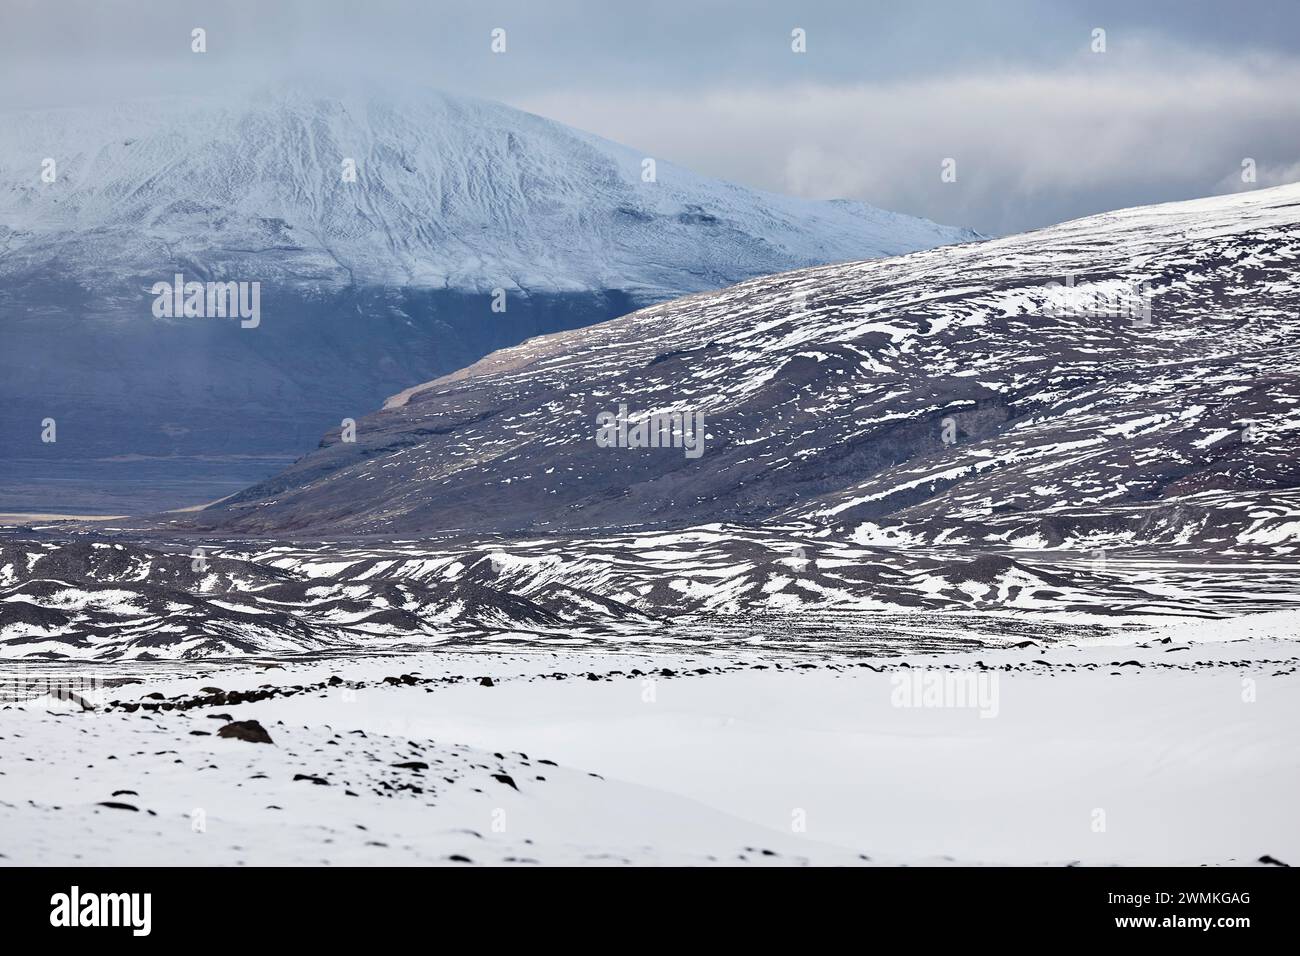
(950, 396)
(365, 285)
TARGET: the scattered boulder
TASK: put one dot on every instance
(249, 730)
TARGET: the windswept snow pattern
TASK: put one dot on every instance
(719, 587)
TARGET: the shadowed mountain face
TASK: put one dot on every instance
(392, 240)
(1125, 379)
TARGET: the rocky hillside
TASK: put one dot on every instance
(1125, 379)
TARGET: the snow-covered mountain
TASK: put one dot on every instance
(1131, 378)
(449, 193)
(1042, 436)
(368, 282)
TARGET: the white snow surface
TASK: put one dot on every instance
(816, 765)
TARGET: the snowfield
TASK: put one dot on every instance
(1177, 746)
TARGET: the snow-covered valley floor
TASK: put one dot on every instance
(1181, 747)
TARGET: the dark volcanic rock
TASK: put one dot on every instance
(249, 730)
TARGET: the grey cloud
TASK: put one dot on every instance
(1031, 147)
(1041, 128)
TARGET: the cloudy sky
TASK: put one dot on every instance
(1041, 127)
